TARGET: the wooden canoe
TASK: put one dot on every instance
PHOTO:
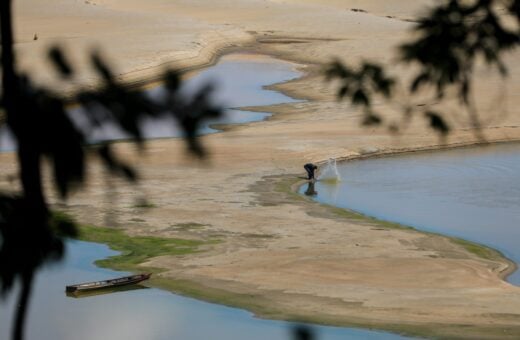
(120, 281)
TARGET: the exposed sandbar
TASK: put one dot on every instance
(295, 258)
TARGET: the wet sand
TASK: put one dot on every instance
(295, 258)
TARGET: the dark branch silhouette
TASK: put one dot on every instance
(30, 236)
(451, 38)
(361, 85)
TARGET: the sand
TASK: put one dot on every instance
(295, 258)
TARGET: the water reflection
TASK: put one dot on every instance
(310, 189)
(150, 313)
(238, 80)
(473, 193)
(140, 313)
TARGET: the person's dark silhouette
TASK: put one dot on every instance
(310, 168)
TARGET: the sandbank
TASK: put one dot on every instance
(293, 259)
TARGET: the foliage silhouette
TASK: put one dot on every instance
(361, 85)
(30, 236)
(449, 42)
(302, 332)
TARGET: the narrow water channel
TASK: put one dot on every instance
(154, 314)
(471, 193)
(238, 80)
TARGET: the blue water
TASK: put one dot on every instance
(150, 314)
(472, 193)
(237, 82)
(154, 314)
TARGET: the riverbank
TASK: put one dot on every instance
(277, 250)
(438, 192)
(281, 304)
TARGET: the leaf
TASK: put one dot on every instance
(371, 119)
(437, 123)
(114, 165)
(60, 62)
(343, 91)
(63, 225)
(336, 69)
(101, 67)
(172, 80)
(418, 81)
(360, 98)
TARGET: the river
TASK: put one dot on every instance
(139, 314)
(472, 193)
(149, 313)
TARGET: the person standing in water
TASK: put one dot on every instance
(310, 168)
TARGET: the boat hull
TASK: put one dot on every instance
(121, 281)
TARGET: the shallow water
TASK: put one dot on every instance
(154, 314)
(149, 313)
(472, 193)
(238, 80)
